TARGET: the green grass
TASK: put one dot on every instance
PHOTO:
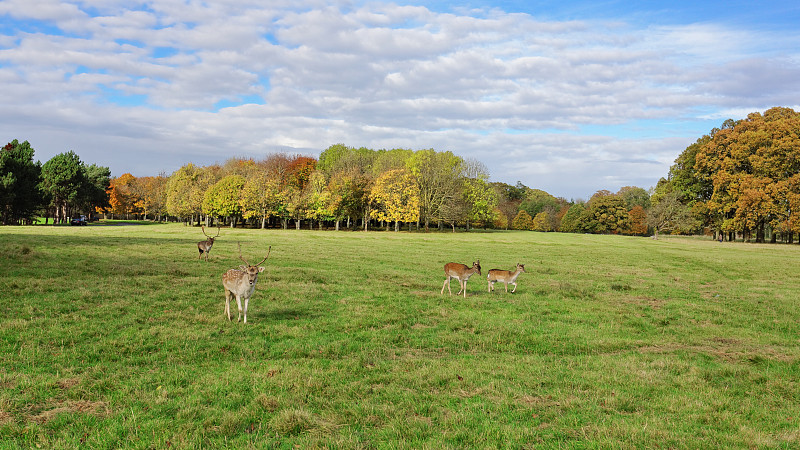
(115, 337)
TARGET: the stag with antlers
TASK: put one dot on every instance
(205, 246)
(241, 283)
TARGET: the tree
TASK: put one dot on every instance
(179, 191)
(669, 215)
(746, 162)
(152, 192)
(20, 196)
(94, 196)
(63, 177)
(572, 220)
(537, 201)
(222, 199)
(508, 200)
(260, 197)
(634, 196)
(396, 198)
(606, 213)
(439, 177)
(522, 221)
(542, 222)
(318, 206)
(121, 195)
(638, 219)
(479, 196)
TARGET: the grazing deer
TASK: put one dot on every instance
(205, 246)
(240, 283)
(505, 276)
(461, 273)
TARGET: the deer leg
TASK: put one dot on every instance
(239, 305)
(461, 284)
(447, 283)
(228, 303)
(515, 287)
(464, 288)
(246, 301)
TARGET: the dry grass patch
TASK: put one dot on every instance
(98, 409)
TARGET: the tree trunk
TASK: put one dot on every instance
(297, 224)
(337, 224)
(396, 226)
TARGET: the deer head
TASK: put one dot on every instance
(252, 270)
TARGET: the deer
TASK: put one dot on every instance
(241, 283)
(205, 246)
(461, 273)
(505, 276)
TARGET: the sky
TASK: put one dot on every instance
(569, 97)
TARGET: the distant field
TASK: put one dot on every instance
(114, 337)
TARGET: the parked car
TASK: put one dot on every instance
(78, 221)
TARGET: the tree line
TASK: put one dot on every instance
(59, 188)
(741, 180)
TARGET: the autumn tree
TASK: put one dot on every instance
(638, 220)
(222, 198)
(152, 194)
(606, 213)
(318, 199)
(261, 196)
(744, 162)
(122, 197)
(509, 199)
(522, 221)
(180, 186)
(395, 196)
(572, 222)
(542, 222)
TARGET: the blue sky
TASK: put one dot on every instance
(568, 97)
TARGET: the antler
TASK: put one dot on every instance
(265, 258)
(240, 253)
(245, 261)
(203, 229)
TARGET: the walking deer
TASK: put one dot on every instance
(205, 246)
(505, 276)
(461, 273)
(241, 283)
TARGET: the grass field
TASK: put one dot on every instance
(114, 337)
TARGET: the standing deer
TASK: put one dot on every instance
(240, 283)
(461, 273)
(205, 246)
(505, 276)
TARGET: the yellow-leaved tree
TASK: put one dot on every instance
(395, 198)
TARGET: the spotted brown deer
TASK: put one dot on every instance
(205, 246)
(241, 283)
(461, 273)
(505, 276)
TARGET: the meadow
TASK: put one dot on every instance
(115, 337)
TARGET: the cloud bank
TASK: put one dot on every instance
(565, 106)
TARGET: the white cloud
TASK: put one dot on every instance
(484, 84)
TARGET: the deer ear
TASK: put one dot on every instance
(260, 269)
(242, 267)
